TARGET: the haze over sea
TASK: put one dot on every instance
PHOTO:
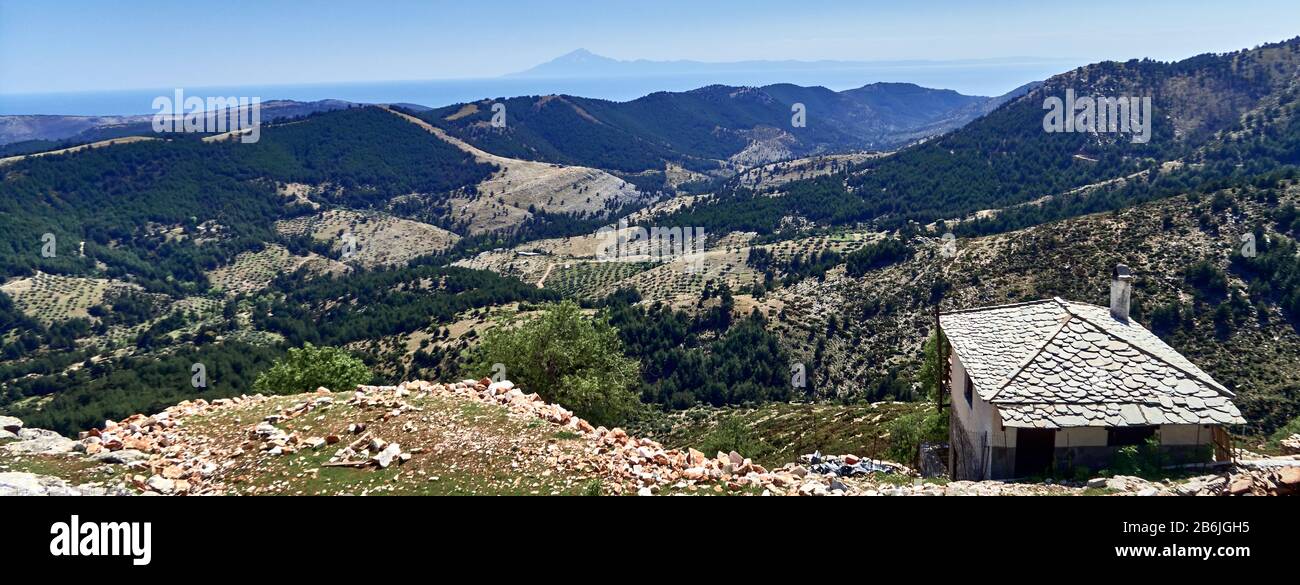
(968, 78)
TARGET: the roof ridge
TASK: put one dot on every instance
(1032, 356)
(994, 307)
(1205, 378)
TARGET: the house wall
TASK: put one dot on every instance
(1087, 446)
(980, 447)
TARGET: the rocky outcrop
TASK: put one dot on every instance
(15, 483)
(39, 442)
(1291, 445)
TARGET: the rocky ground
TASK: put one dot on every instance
(471, 437)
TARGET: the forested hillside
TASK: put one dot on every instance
(703, 128)
(119, 200)
(1215, 117)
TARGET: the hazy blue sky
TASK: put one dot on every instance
(53, 45)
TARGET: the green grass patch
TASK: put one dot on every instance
(778, 433)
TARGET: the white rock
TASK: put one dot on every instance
(385, 457)
(51, 444)
(160, 484)
(10, 424)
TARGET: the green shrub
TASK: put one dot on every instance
(1143, 460)
(567, 358)
(907, 432)
(877, 255)
(733, 434)
(1285, 431)
(309, 367)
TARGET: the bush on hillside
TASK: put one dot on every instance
(309, 367)
(732, 434)
(569, 359)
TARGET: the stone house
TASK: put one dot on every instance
(1055, 384)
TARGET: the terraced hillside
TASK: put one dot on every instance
(52, 298)
(253, 271)
(378, 239)
(114, 313)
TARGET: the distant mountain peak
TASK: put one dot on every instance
(578, 62)
(580, 55)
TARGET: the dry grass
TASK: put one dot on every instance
(503, 200)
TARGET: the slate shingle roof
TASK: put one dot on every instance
(1056, 363)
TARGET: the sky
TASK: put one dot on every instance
(67, 46)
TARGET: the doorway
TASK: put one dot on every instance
(1034, 450)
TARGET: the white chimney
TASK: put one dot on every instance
(1121, 290)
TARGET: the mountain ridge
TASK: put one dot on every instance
(708, 127)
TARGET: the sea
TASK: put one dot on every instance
(988, 79)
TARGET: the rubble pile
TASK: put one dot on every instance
(1237, 481)
(1258, 481)
(166, 459)
(631, 463)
